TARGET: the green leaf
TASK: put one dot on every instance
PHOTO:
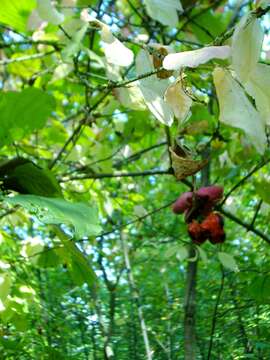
(228, 261)
(5, 285)
(27, 178)
(83, 218)
(15, 13)
(263, 190)
(202, 254)
(80, 266)
(22, 113)
(75, 44)
(259, 288)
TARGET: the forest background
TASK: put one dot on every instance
(109, 111)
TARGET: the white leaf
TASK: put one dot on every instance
(228, 261)
(246, 47)
(195, 57)
(157, 106)
(49, 13)
(164, 11)
(258, 86)
(179, 101)
(116, 53)
(236, 110)
(153, 89)
(131, 97)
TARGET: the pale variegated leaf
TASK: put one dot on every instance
(75, 44)
(164, 11)
(49, 13)
(228, 261)
(236, 110)
(246, 47)
(195, 57)
(177, 98)
(258, 87)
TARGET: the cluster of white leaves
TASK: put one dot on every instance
(247, 44)
(235, 107)
(164, 11)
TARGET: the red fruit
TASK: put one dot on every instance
(196, 232)
(213, 227)
(214, 193)
(183, 203)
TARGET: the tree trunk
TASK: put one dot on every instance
(190, 345)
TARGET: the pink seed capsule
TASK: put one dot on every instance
(213, 192)
(183, 203)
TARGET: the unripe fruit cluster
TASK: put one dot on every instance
(203, 222)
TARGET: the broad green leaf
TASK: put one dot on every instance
(246, 46)
(23, 112)
(153, 89)
(236, 110)
(5, 286)
(28, 178)
(179, 101)
(263, 190)
(228, 261)
(49, 258)
(15, 13)
(80, 266)
(259, 289)
(164, 11)
(195, 57)
(258, 87)
(83, 218)
(49, 13)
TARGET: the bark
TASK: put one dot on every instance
(190, 344)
